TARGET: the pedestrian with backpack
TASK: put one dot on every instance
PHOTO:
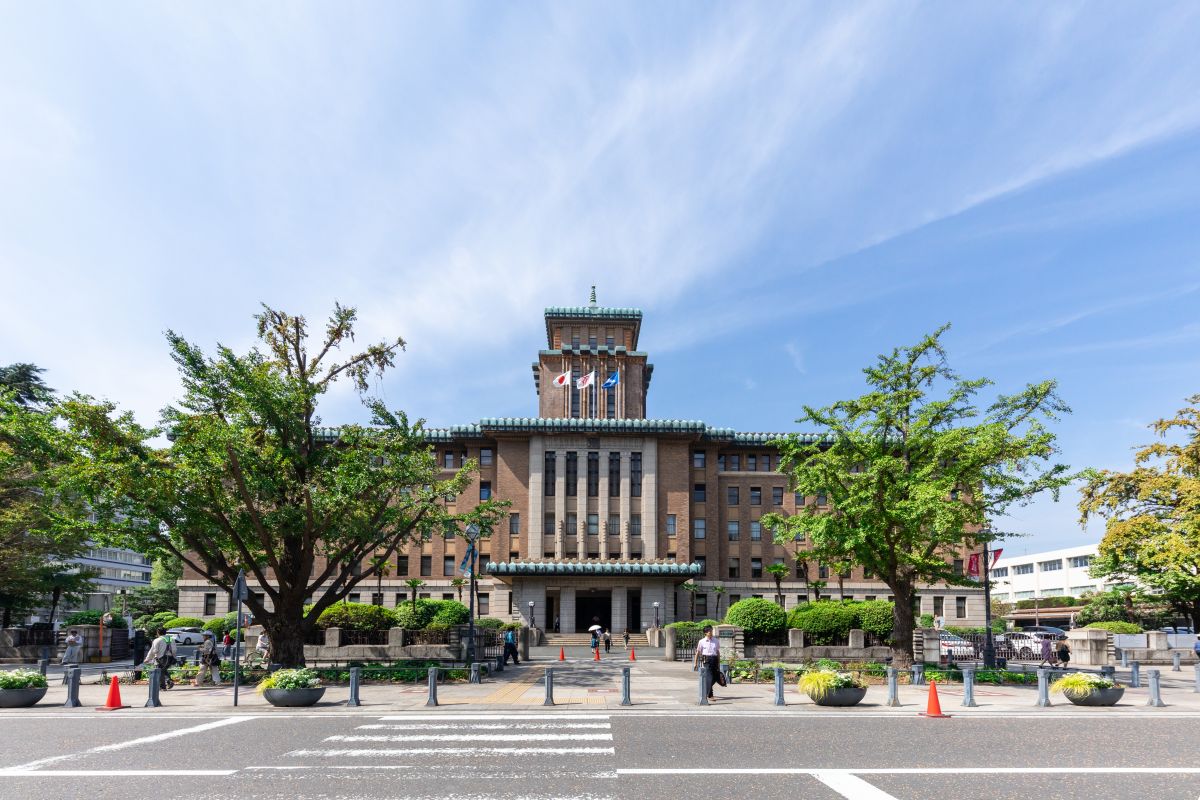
(210, 661)
(162, 656)
(510, 646)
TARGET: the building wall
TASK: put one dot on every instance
(1010, 583)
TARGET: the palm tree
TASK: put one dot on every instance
(414, 584)
(802, 572)
(719, 590)
(691, 589)
(459, 583)
(382, 569)
(778, 572)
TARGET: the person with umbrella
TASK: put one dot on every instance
(595, 631)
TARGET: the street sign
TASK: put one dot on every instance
(240, 592)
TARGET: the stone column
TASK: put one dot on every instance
(560, 502)
(566, 609)
(581, 504)
(537, 493)
(650, 498)
(625, 509)
(620, 599)
(602, 506)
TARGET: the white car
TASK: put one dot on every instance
(954, 646)
(186, 635)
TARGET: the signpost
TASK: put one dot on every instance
(469, 565)
(240, 593)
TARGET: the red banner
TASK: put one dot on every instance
(973, 565)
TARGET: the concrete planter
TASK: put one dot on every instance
(849, 696)
(1099, 697)
(21, 698)
(292, 698)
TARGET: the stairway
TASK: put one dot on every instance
(585, 640)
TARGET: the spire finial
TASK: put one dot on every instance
(592, 300)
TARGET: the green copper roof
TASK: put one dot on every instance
(665, 569)
(687, 427)
(561, 312)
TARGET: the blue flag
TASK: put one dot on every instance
(612, 381)
(465, 566)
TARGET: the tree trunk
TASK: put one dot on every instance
(903, 623)
(287, 635)
(7, 622)
(55, 597)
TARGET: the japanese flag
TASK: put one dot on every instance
(563, 380)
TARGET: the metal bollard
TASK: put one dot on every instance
(499, 663)
(969, 687)
(1124, 659)
(1175, 663)
(549, 701)
(704, 678)
(779, 701)
(725, 671)
(354, 678)
(1109, 672)
(475, 673)
(1155, 691)
(433, 679)
(72, 675)
(155, 680)
(893, 684)
(625, 701)
(43, 665)
(918, 674)
(1043, 700)
(1197, 687)
(1135, 675)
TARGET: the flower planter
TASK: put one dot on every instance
(1098, 697)
(21, 698)
(292, 698)
(848, 696)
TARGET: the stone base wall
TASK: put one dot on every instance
(795, 654)
(382, 652)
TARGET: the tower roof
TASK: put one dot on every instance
(592, 312)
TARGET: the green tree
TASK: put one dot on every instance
(250, 478)
(25, 384)
(1152, 514)
(413, 584)
(382, 567)
(778, 572)
(913, 469)
(719, 591)
(458, 584)
(691, 589)
(165, 571)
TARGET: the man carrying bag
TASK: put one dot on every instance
(708, 656)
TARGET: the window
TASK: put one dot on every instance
(698, 459)
(701, 605)
(481, 562)
(1055, 592)
(698, 528)
(485, 456)
(575, 384)
(1078, 590)
(751, 463)
(699, 493)
(734, 567)
(354, 597)
(822, 572)
(614, 525)
(549, 469)
(636, 555)
(548, 524)
(869, 597)
(614, 474)
(426, 565)
(401, 565)
(447, 595)
(756, 568)
(701, 562)
(868, 574)
(1050, 566)
(485, 490)
(514, 555)
(593, 474)
(756, 495)
(593, 523)
(720, 463)
(799, 499)
(1023, 595)
(610, 342)
(210, 605)
(822, 500)
(735, 530)
(592, 342)
(1023, 569)
(734, 598)
(670, 526)
(1080, 561)
(572, 526)
(572, 473)
(635, 474)
(958, 566)
(960, 607)
(735, 463)
(756, 531)
(423, 596)
(733, 495)
(776, 495)
(401, 597)
(514, 524)
(1000, 572)
(610, 403)
(635, 525)
(448, 460)
(484, 605)
(939, 606)
(448, 566)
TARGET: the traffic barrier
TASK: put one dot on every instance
(1175, 663)
(113, 701)
(893, 687)
(625, 701)
(704, 686)
(632, 654)
(562, 654)
(1155, 690)
(354, 678)
(933, 706)
(155, 679)
(72, 676)
(779, 701)
(1043, 699)
(433, 679)
(969, 687)
(475, 674)
(549, 701)
(918, 674)
(1135, 675)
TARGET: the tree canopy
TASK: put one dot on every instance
(914, 469)
(251, 480)
(1152, 514)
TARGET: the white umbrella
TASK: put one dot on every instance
(595, 628)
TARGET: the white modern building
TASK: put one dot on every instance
(1053, 573)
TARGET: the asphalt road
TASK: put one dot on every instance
(580, 754)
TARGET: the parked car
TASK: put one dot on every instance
(1044, 631)
(1022, 644)
(954, 646)
(186, 635)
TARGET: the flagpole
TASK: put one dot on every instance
(989, 643)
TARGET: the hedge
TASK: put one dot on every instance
(1116, 627)
(222, 625)
(827, 621)
(417, 618)
(757, 615)
(93, 618)
(356, 617)
(1058, 601)
(184, 622)
(450, 612)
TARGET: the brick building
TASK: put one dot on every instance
(613, 511)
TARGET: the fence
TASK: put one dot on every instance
(362, 637)
(427, 637)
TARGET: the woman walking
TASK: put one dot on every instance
(73, 654)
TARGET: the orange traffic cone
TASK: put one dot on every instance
(597, 658)
(562, 654)
(933, 707)
(632, 654)
(114, 697)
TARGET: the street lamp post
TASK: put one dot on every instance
(989, 643)
(656, 615)
(472, 535)
(531, 615)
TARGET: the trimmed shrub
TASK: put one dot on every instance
(757, 615)
(450, 612)
(93, 618)
(925, 620)
(685, 626)
(184, 622)
(493, 623)
(222, 625)
(415, 619)
(877, 617)
(823, 622)
(1116, 627)
(356, 617)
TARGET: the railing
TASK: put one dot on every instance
(315, 637)
(364, 637)
(427, 637)
(756, 639)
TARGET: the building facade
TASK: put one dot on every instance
(1053, 573)
(613, 511)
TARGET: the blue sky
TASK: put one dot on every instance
(785, 189)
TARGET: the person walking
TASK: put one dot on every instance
(595, 639)
(73, 654)
(227, 646)
(1047, 652)
(708, 656)
(1196, 649)
(1064, 653)
(625, 636)
(510, 646)
(210, 661)
(607, 641)
(162, 655)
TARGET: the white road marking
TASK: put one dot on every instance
(422, 726)
(450, 717)
(158, 737)
(909, 770)
(433, 751)
(112, 773)
(851, 786)
(478, 737)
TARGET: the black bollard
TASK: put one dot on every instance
(625, 701)
(72, 675)
(433, 679)
(152, 700)
(549, 701)
(355, 672)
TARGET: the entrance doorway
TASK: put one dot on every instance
(593, 608)
(633, 612)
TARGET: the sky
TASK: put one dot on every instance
(785, 190)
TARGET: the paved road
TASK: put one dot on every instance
(558, 753)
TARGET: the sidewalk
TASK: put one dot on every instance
(656, 685)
